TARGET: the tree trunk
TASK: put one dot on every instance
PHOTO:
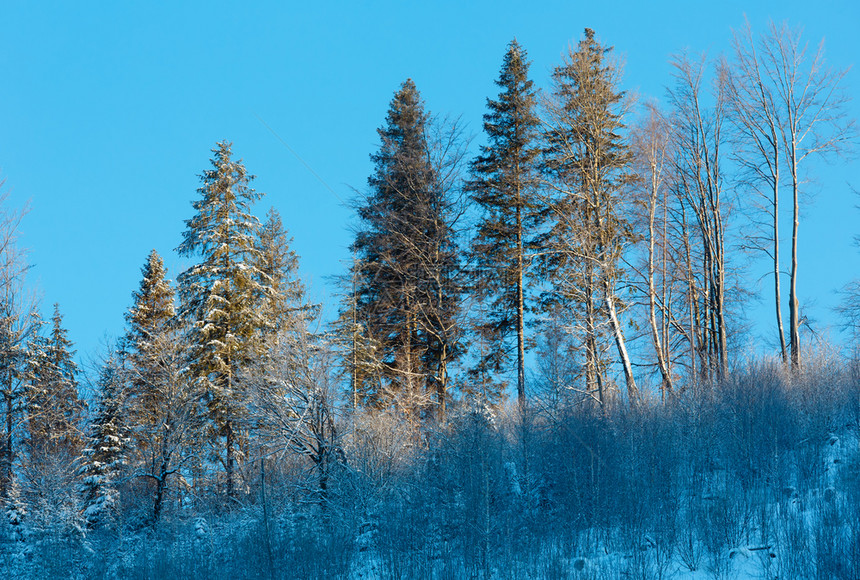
(521, 375)
(632, 392)
(666, 384)
(777, 286)
(6, 467)
(793, 304)
(230, 459)
(592, 372)
(160, 485)
(692, 299)
(322, 466)
(443, 383)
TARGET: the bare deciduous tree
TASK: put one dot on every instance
(788, 106)
(16, 328)
(651, 160)
(295, 398)
(697, 139)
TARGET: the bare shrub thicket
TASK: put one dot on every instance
(761, 468)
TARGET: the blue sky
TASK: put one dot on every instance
(108, 112)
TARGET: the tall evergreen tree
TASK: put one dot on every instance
(587, 161)
(153, 310)
(104, 457)
(52, 442)
(219, 296)
(284, 293)
(505, 187)
(150, 318)
(406, 269)
(162, 404)
(54, 410)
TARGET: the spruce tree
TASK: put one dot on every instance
(220, 295)
(53, 409)
(406, 268)
(153, 311)
(504, 186)
(150, 318)
(161, 403)
(104, 457)
(52, 441)
(15, 511)
(283, 292)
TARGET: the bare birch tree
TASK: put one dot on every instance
(697, 139)
(788, 106)
(651, 162)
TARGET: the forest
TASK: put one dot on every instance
(539, 365)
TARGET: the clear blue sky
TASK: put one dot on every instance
(108, 112)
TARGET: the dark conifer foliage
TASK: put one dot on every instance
(151, 324)
(407, 264)
(504, 186)
(52, 438)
